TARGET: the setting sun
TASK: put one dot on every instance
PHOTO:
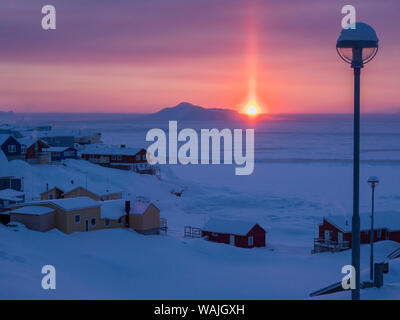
(252, 110)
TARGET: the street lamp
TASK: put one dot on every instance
(373, 182)
(357, 45)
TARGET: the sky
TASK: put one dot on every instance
(138, 56)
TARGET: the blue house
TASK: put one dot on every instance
(11, 147)
(62, 153)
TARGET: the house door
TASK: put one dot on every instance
(340, 237)
(87, 225)
(232, 240)
(327, 235)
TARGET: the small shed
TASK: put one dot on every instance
(62, 153)
(145, 218)
(51, 194)
(242, 234)
(34, 217)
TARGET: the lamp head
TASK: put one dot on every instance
(357, 44)
(373, 181)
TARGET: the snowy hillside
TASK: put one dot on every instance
(132, 266)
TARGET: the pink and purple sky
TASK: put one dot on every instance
(137, 56)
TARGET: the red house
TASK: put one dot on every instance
(334, 234)
(35, 150)
(117, 157)
(242, 234)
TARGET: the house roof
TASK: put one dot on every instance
(50, 189)
(28, 141)
(4, 137)
(236, 227)
(11, 195)
(97, 189)
(32, 210)
(382, 220)
(69, 204)
(58, 149)
(114, 209)
(110, 150)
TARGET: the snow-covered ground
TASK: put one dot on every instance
(286, 196)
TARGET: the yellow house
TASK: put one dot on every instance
(97, 193)
(143, 217)
(73, 214)
(83, 214)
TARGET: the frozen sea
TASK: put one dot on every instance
(303, 163)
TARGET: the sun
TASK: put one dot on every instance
(252, 110)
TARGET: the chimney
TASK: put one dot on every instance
(127, 211)
(47, 187)
(123, 146)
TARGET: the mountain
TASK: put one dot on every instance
(188, 111)
(6, 113)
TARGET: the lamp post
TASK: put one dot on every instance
(357, 45)
(373, 182)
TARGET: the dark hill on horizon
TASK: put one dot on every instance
(188, 111)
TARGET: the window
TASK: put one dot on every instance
(93, 221)
(119, 157)
(379, 235)
(51, 196)
(250, 241)
(77, 218)
(12, 148)
(120, 220)
(144, 157)
(106, 222)
(23, 148)
(214, 234)
(114, 158)
(138, 157)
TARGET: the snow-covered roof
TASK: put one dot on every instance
(109, 150)
(28, 141)
(97, 189)
(33, 210)
(57, 149)
(114, 209)
(4, 137)
(11, 195)
(382, 220)
(236, 227)
(69, 204)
